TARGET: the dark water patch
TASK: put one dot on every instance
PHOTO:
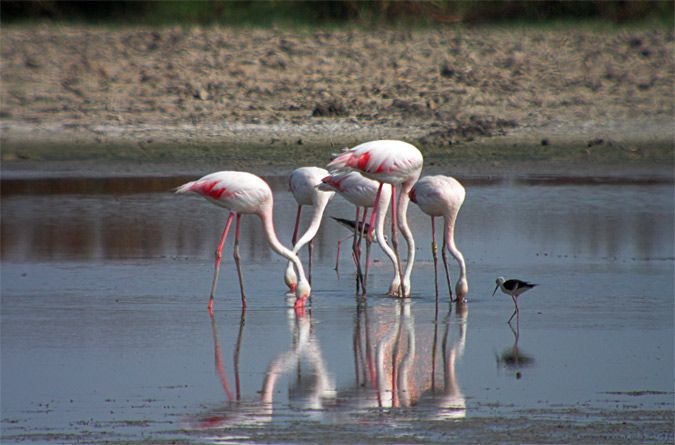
(120, 185)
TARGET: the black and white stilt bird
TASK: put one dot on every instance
(513, 288)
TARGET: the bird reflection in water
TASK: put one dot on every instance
(513, 357)
(311, 389)
(395, 366)
(447, 399)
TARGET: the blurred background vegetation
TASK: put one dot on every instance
(294, 13)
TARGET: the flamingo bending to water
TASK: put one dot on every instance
(303, 183)
(362, 192)
(244, 193)
(443, 196)
(392, 162)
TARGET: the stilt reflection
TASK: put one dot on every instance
(514, 357)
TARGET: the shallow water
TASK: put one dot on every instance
(106, 336)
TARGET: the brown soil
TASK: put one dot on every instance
(474, 99)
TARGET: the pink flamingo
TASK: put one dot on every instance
(303, 183)
(395, 163)
(443, 196)
(362, 192)
(242, 194)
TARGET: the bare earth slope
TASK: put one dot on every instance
(476, 99)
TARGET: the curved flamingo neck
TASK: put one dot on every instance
(402, 216)
(268, 226)
(310, 233)
(382, 207)
(452, 248)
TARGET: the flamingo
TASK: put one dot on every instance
(244, 193)
(388, 162)
(443, 196)
(362, 192)
(303, 184)
(513, 288)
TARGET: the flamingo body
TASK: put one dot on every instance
(245, 193)
(392, 162)
(356, 188)
(443, 196)
(362, 192)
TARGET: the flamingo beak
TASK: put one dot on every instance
(496, 287)
(300, 303)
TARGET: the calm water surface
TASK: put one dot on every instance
(106, 336)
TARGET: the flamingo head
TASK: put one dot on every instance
(393, 287)
(461, 288)
(302, 291)
(290, 278)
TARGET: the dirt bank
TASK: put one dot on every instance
(477, 99)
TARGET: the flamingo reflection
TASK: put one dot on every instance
(312, 390)
(447, 400)
(235, 412)
(399, 373)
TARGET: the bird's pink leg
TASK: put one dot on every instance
(219, 254)
(394, 238)
(516, 311)
(377, 203)
(434, 252)
(445, 264)
(237, 261)
(337, 259)
(297, 223)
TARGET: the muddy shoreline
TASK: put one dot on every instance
(480, 101)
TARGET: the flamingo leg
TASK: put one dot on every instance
(237, 261)
(372, 217)
(337, 258)
(368, 244)
(445, 264)
(297, 223)
(434, 252)
(394, 238)
(364, 278)
(219, 254)
(356, 256)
